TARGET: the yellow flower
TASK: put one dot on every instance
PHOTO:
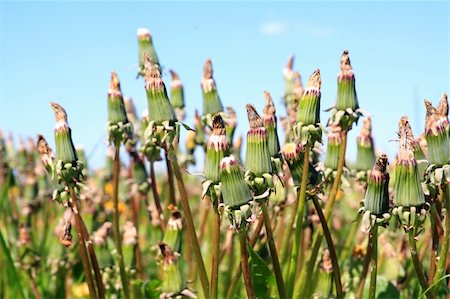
(109, 206)
(109, 189)
(80, 290)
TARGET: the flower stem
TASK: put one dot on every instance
(365, 269)
(304, 283)
(215, 256)
(416, 262)
(82, 247)
(333, 255)
(244, 265)
(299, 224)
(190, 228)
(170, 180)
(156, 197)
(273, 252)
(373, 274)
(441, 267)
(117, 235)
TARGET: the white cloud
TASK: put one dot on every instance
(273, 28)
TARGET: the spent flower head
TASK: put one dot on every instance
(146, 48)
(216, 149)
(211, 100)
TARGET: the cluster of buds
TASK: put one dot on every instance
(376, 201)
(66, 166)
(119, 129)
(438, 141)
(294, 155)
(146, 48)
(236, 193)
(211, 100)
(346, 112)
(257, 157)
(162, 126)
(308, 129)
(177, 96)
(409, 197)
(365, 158)
(173, 284)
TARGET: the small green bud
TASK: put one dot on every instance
(309, 103)
(366, 153)
(46, 153)
(294, 156)
(436, 134)
(65, 150)
(257, 158)
(333, 147)
(172, 235)
(211, 100)
(216, 149)
(270, 123)
(377, 195)
(172, 279)
(176, 91)
(235, 192)
(146, 48)
(407, 189)
(346, 97)
(116, 107)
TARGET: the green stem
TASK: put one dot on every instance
(170, 180)
(190, 228)
(333, 255)
(244, 265)
(415, 259)
(304, 283)
(299, 224)
(365, 269)
(373, 274)
(441, 267)
(215, 256)
(273, 252)
(117, 235)
(434, 243)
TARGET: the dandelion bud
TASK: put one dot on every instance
(257, 158)
(309, 102)
(146, 49)
(366, 153)
(294, 156)
(159, 107)
(116, 107)
(333, 147)
(172, 281)
(436, 134)
(65, 150)
(377, 194)
(47, 156)
(211, 100)
(419, 145)
(235, 192)
(172, 235)
(216, 148)
(346, 97)
(176, 91)
(407, 189)
(270, 123)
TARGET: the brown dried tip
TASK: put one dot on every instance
(315, 80)
(208, 69)
(381, 163)
(327, 264)
(166, 252)
(406, 140)
(174, 75)
(60, 113)
(366, 129)
(442, 108)
(430, 110)
(290, 63)
(42, 145)
(151, 69)
(217, 122)
(114, 84)
(254, 119)
(269, 107)
(345, 62)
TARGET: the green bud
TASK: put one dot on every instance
(419, 149)
(211, 100)
(116, 107)
(216, 149)
(172, 279)
(172, 235)
(309, 103)
(377, 194)
(346, 97)
(366, 153)
(159, 107)
(407, 189)
(176, 91)
(65, 150)
(333, 147)
(436, 134)
(257, 157)
(146, 48)
(235, 192)
(294, 156)
(270, 123)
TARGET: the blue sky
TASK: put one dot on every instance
(64, 52)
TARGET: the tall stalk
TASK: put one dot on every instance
(215, 256)
(374, 259)
(299, 224)
(273, 252)
(365, 269)
(117, 235)
(170, 180)
(304, 283)
(244, 265)
(190, 228)
(416, 262)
